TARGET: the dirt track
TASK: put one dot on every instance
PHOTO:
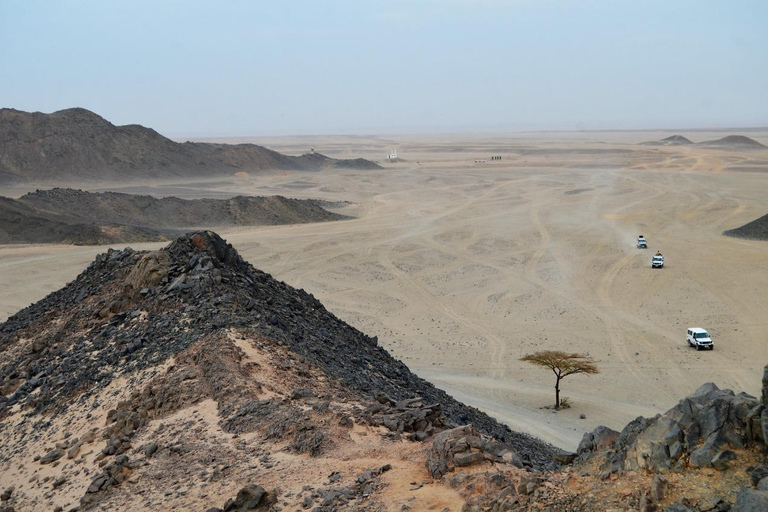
(460, 269)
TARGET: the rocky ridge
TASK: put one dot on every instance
(672, 140)
(734, 141)
(189, 357)
(63, 215)
(754, 230)
(76, 144)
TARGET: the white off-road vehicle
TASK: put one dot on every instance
(657, 261)
(699, 338)
(642, 243)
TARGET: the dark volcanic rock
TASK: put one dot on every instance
(755, 230)
(52, 456)
(749, 500)
(63, 215)
(121, 315)
(703, 426)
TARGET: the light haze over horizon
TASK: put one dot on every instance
(237, 68)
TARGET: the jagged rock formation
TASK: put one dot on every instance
(755, 230)
(76, 144)
(78, 217)
(177, 363)
(700, 432)
(707, 454)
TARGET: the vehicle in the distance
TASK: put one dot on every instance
(642, 243)
(657, 261)
(699, 338)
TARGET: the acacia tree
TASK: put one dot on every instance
(563, 365)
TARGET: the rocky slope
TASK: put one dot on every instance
(187, 378)
(672, 140)
(755, 230)
(707, 454)
(76, 144)
(735, 142)
(83, 218)
(20, 223)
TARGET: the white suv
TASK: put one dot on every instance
(699, 338)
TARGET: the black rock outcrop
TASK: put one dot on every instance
(132, 310)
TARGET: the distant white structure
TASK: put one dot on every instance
(392, 155)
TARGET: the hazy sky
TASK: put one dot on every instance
(262, 67)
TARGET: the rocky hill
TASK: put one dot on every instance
(673, 140)
(755, 230)
(76, 144)
(20, 223)
(88, 218)
(734, 141)
(185, 378)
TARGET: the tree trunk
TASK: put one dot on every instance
(557, 393)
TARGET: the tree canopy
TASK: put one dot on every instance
(562, 364)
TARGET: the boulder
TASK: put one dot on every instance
(249, 497)
(564, 457)
(460, 446)
(764, 392)
(598, 440)
(467, 459)
(646, 505)
(749, 500)
(758, 474)
(678, 507)
(527, 485)
(149, 271)
(722, 460)
(52, 456)
(764, 424)
(658, 488)
(150, 449)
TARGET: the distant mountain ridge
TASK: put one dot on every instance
(65, 215)
(730, 141)
(734, 140)
(78, 144)
(672, 140)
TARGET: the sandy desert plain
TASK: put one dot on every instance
(460, 268)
